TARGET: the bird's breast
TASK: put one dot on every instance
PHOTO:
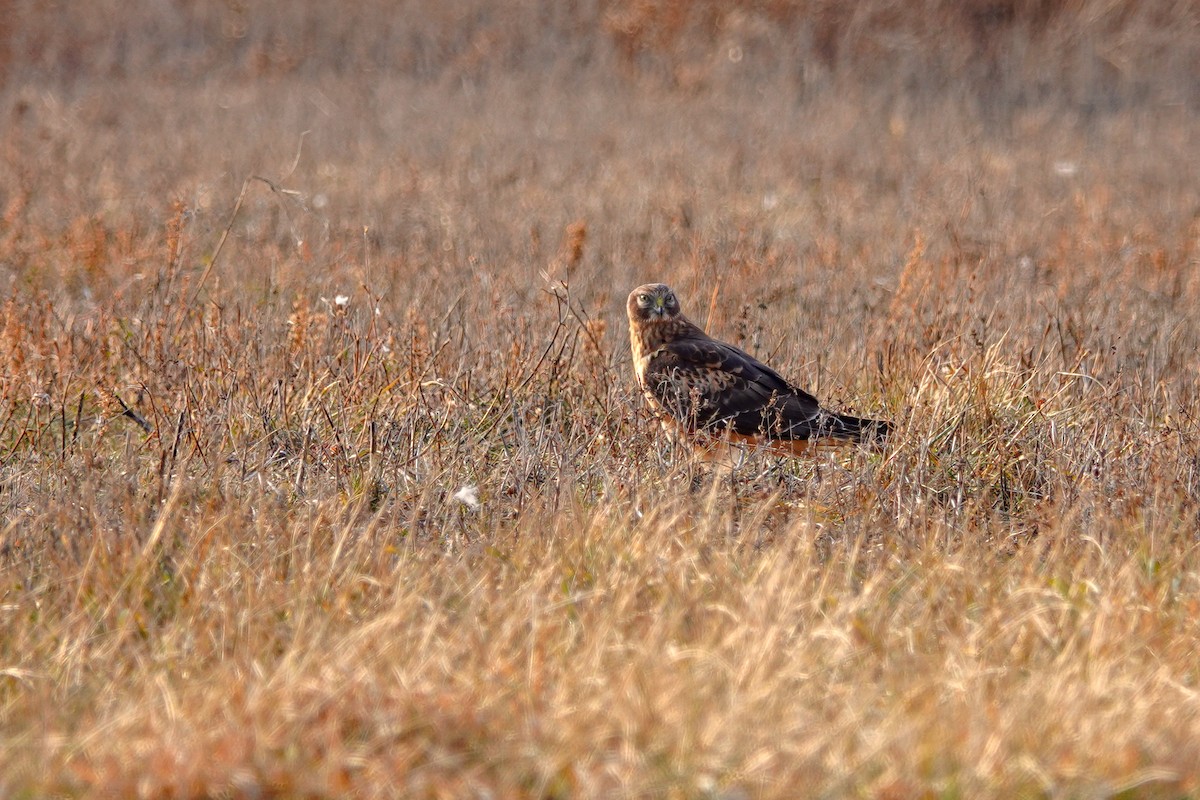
(640, 345)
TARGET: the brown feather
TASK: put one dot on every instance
(716, 394)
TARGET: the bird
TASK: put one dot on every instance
(713, 393)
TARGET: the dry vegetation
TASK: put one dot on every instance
(322, 472)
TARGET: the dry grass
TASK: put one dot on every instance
(346, 490)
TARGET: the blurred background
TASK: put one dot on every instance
(808, 140)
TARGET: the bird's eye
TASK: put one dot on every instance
(643, 299)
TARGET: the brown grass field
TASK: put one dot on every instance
(323, 473)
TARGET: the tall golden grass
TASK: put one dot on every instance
(323, 473)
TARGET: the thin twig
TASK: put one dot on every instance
(126, 411)
(237, 206)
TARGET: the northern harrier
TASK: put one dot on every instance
(713, 391)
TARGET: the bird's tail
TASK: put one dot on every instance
(855, 429)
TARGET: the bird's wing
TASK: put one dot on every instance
(705, 383)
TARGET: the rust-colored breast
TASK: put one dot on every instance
(645, 338)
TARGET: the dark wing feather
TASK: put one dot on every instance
(704, 383)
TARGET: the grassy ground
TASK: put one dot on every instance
(322, 469)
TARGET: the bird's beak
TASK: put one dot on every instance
(659, 305)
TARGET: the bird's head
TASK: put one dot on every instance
(652, 302)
